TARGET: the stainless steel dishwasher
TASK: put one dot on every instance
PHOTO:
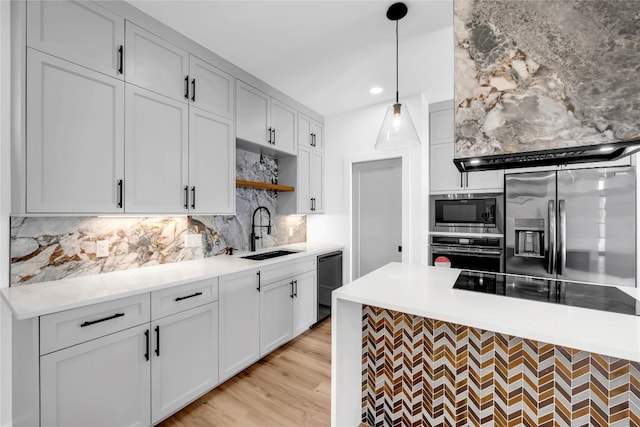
(329, 278)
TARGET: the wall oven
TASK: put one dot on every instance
(472, 253)
(466, 231)
(467, 213)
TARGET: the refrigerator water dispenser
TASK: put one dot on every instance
(529, 237)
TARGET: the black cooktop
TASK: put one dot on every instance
(596, 297)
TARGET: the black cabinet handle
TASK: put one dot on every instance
(313, 139)
(197, 294)
(274, 136)
(186, 197)
(291, 294)
(120, 193)
(93, 322)
(121, 57)
(186, 88)
(295, 285)
(146, 334)
(258, 273)
(157, 340)
(269, 130)
(193, 197)
(193, 90)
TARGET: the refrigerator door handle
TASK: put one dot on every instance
(562, 236)
(551, 232)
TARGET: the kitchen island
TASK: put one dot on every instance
(409, 348)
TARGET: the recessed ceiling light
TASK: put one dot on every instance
(375, 90)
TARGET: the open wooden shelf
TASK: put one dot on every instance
(264, 185)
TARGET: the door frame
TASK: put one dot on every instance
(406, 226)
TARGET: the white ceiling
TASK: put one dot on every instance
(325, 54)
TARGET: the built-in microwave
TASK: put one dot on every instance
(467, 213)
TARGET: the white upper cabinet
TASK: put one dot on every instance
(78, 31)
(212, 159)
(283, 125)
(310, 133)
(444, 176)
(156, 134)
(155, 64)
(210, 88)
(316, 182)
(264, 120)
(75, 138)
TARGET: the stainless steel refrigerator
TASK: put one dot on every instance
(572, 225)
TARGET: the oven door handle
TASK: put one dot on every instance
(454, 252)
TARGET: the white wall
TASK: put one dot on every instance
(350, 137)
(5, 202)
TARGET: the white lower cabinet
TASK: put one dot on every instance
(102, 382)
(184, 358)
(276, 312)
(305, 303)
(239, 322)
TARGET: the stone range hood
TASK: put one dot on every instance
(545, 83)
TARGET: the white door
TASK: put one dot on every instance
(377, 214)
(212, 160)
(211, 89)
(283, 124)
(239, 304)
(304, 131)
(184, 358)
(276, 305)
(75, 137)
(155, 64)
(156, 152)
(316, 182)
(304, 302)
(304, 181)
(102, 382)
(252, 114)
(485, 180)
(79, 31)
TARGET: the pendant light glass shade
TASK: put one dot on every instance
(397, 130)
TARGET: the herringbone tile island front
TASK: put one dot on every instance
(418, 371)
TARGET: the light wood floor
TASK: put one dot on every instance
(289, 387)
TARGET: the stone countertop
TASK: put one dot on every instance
(428, 292)
(27, 301)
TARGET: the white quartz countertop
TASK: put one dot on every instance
(428, 292)
(38, 299)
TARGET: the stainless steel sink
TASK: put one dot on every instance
(268, 255)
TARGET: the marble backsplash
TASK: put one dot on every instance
(52, 248)
(537, 75)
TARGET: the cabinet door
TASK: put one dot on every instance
(318, 135)
(441, 128)
(485, 180)
(79, 31)
(304, 131)
(212, 89)
(304, 183)
(283, 123)
(276, 311)
(103, 382)
(75, 137)
(155, 64)
(444, 176)
(211, 163)
(304, 302)
(156, 150)
(252, 113)
(316, 181)
(184, 361)
(239, 322)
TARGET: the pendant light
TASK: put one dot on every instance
(397, 129)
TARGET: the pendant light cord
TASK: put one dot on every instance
(397, 95)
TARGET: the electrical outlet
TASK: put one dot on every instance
(102, 248)
(192, 240)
